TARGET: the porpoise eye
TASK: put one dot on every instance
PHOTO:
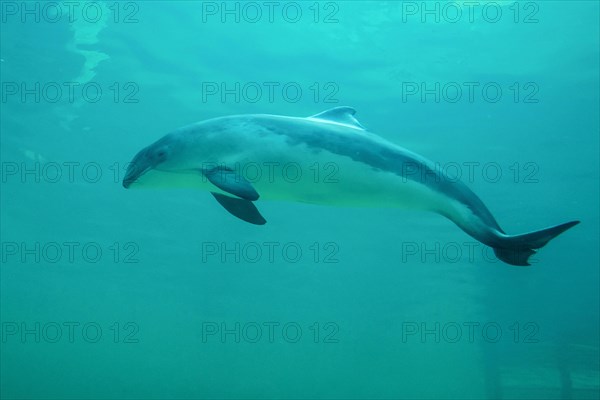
(161, 154)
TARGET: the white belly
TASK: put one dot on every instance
(301, 174)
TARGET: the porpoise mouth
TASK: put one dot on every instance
(133, 174)
(128, 181)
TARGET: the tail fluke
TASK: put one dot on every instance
(519, 248)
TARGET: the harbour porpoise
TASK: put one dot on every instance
(328, 158)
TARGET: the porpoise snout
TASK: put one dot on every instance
(136, 168)
(130, 176)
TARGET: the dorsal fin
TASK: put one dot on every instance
(340, 115)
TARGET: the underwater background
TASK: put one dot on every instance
(110, 293)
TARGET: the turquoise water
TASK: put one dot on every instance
(114, 293)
